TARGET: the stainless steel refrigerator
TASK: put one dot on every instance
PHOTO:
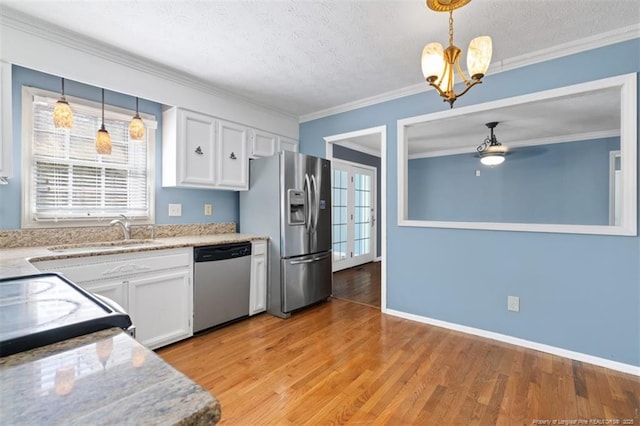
(289, 200)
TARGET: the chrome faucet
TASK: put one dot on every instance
(124, 224)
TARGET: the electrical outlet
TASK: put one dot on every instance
(513, 303)
(208, 209)
(175, 209)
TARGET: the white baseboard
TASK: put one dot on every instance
(578, 356)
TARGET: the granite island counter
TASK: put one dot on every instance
(100, 378)
(104, 377)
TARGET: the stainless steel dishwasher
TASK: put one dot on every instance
(221, 284)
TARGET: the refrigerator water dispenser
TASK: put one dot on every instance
(297, 207)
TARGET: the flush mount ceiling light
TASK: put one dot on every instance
(438, 63)
(491, 151)
(136, 127)
(62, 114)
(103, 140)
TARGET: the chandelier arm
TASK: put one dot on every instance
(461, 74)
(469, 86)
(434, 85)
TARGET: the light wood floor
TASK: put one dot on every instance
(359, 284)
(344, 362)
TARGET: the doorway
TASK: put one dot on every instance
(353, 213)
(359, 168)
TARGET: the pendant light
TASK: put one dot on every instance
(136, 127)
(62, 114)
(103, 140)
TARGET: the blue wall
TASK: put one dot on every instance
(565, 183)
(342, 153)
(225, 203)
(578, 292)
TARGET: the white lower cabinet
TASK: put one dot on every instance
(258, 287)
(159, 305)
(115, 290)
(154, 287)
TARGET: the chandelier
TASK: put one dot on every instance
(438, 64)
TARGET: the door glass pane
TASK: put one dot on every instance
(362, 201)
(339, 208)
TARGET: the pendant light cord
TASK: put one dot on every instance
(63, 87)
(451, 27)
(103, 108)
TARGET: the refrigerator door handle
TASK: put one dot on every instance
(315, 259)
(316, 197)
(307, 192)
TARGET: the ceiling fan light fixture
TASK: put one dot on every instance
(492, 159)
(491, 151)
(438, 64)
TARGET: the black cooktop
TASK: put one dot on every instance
(37, 310)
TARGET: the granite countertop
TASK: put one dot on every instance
(100, 378)
(15, 262)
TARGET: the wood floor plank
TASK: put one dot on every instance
(346, 363)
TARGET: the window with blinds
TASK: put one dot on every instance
(70, 182)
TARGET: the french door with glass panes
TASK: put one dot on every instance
(354, 213)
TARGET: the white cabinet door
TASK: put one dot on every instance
(287, 144)
(161, 307)
(188, 149)
(263, 144)
(258, 289)
(198, 135)
(115, 290)
(233, 159)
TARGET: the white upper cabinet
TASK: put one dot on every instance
(200, 151)
(6, 135)
(263, 144)
(287, 144)
(232, 155)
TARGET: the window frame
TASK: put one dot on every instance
(27, 215)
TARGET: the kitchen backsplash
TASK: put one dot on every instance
(54, 236)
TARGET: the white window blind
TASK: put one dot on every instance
(71, 182)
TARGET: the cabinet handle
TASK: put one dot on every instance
(199, 151)
(233, 156)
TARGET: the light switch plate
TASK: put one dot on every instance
(175, 209)
(513, 303)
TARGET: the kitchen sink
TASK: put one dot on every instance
(107, 245)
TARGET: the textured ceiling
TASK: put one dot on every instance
(301, 57)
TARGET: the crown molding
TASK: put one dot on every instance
(577, 46)
(42, 29)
